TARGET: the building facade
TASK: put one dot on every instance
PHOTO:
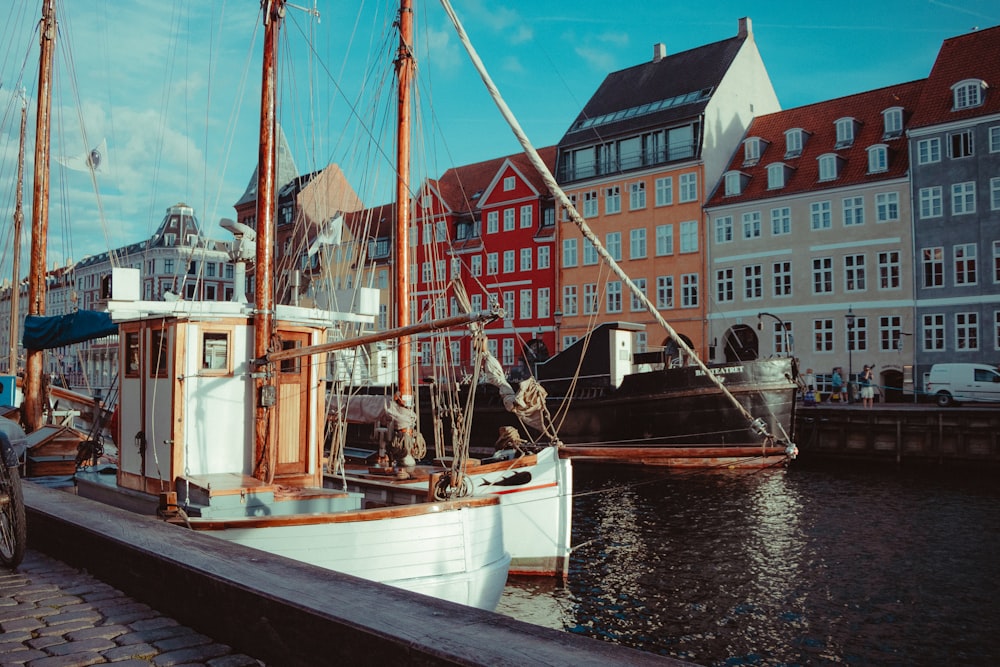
(638, 163)
(810, 249)
(955, 178)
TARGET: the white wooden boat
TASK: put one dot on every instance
(225, 435)
(187, 412)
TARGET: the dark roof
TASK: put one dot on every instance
(372, 223)
(678, 78)
(818, 120)
(975, 55)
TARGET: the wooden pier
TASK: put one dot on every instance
(898, 433)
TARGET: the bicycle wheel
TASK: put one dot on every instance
(13, 528)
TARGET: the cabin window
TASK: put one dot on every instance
(215, 351)
(290, 365)
(158, 351)
(132, 354)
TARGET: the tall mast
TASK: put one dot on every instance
(31, 412)
(404, 75)
(15, 293)
(264, 449)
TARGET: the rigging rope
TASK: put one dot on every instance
(757, 424)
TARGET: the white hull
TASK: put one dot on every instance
(536, 497)
(187, 404)
(448, 555)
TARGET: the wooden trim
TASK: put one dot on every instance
(351, 516)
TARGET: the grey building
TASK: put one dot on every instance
(954, 139)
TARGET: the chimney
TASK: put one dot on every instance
(659, 52)
(746, 27)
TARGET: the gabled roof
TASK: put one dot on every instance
(975, 55)
(461, 187)
(818, 121)
(657, 93)
(525, 170)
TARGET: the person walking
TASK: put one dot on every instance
(867, 389)
(837, 385)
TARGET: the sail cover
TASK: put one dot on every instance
(46, 332)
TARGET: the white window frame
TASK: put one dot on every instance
(853, 209)
(878, 159)
(664, 191)
(933, 328)
(570, 258)
(929, 150)
(689, 236)
(930, 202)
(821, 215)
(688, 184)
(637, 195)
(963, 198)
(637, 243)
(724, 229)
(664, 240)
(822, 275)
(781, 221)
(967, 94)
(886, 207)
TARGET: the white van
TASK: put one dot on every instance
(952, 383)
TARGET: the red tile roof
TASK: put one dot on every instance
(818, 120)
(459, 185)
(975, 55)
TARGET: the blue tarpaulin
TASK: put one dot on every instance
(46, 332)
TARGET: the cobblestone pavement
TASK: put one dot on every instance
(53, 615)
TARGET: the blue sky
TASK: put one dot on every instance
(172, 86)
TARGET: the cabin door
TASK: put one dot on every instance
(294, 398)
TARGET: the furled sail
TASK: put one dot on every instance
(43, 332)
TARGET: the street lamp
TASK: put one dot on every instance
(782, 326)
(849, 317)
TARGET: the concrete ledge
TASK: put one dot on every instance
(285, 612)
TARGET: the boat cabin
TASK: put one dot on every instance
(188, 395)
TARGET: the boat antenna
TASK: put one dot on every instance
(757, 424)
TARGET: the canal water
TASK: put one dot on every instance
(855, 564)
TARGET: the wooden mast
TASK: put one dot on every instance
(15, 293)
(266, 392)
(31, 412)
(404, 75)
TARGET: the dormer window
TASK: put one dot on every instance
(846, 128)
(735, 182)
(892, 123)
(777, 175)
(752, 149)
(878, 158)
(795, 139)
(968, 94)
(829, 166)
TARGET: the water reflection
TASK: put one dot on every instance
(853, 565)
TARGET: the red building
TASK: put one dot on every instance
(485, 230)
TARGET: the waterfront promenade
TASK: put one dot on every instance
(54, 615)
(277, 610)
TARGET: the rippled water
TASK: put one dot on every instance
(855, 565)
